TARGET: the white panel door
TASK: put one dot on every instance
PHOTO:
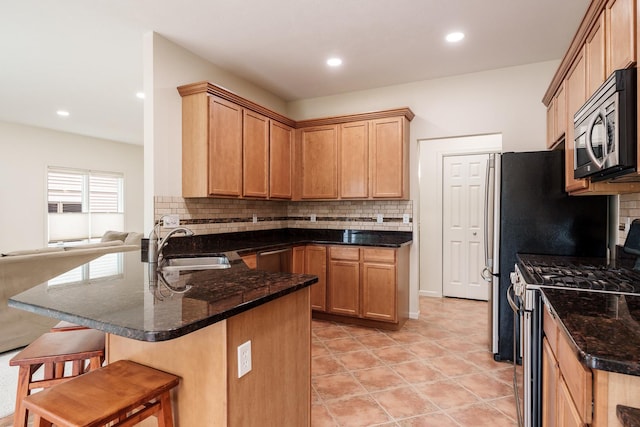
(463, 226)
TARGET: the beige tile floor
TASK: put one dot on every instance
(436, 371)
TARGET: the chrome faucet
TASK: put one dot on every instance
(164, 240)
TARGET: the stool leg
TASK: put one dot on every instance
(165, 417)
(94, 363)
(38, 421)
(22, 391)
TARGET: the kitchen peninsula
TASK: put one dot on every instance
(191, 323)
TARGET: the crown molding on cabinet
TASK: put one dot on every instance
(223, 93)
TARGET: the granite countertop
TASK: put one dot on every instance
(142, 304)
(252, 241)
(603, 328)
(136, 302)
(628, 416)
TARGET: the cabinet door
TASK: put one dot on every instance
(576, 96)
(568, 415)
(551, 123)
(344, 287)
(280, 161)
(255, 155)
(316, 264)
(320, 162)
(549, 385)
(225, 148)
(354, 160)
(297, 264)
(560, 102)
(389, 158)
(621, 37)
(379, 296)
(596, 61)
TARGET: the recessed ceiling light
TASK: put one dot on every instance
(62, 113)
(454, 37)
(334, 62)
(140, 95)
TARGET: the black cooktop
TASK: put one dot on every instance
(594, 274)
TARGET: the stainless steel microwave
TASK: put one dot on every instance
(605, 129)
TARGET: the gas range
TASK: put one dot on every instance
(584, 274)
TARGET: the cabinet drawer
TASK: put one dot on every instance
(550, 329)
(379, 255)
(577, 377)
(344, 252)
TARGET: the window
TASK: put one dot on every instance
(108, 266)
(82, 205)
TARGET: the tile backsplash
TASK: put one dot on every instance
(210, 216)
(629, 210)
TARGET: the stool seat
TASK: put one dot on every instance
(52, 350)
(113, 392)
(64, 326)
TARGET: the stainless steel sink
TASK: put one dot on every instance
(196, 263)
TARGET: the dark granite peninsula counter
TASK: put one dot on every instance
(154, 306)
(191, 324)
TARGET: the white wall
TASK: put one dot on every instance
(506, 101)
(167, 66)
(28, 151)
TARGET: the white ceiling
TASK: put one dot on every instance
(86, 55)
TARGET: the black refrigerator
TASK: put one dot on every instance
(528, 211)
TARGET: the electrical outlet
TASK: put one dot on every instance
(405, 218)
(379, 218)
(171, 221)
(313, 217)
(244, 359)
(255, 218)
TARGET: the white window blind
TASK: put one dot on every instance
(107, 266)
(83, 204)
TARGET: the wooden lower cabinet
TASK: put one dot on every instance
(367, 286)
(315, 262)
(568, 415)
(297, 262)
(344, 281)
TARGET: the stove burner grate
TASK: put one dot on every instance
(588, 277)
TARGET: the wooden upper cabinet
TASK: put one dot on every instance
(561, 113)
(551, 123)
(225, 148)
(281, 161)
(255, 155)
(389, 158)
(319, 159)
(354, 160)
(595, 56)
(576, 88)
(621, 34)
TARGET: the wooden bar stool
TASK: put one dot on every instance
(123, 391)
(52, 350)
(64, 326)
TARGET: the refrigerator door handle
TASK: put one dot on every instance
(488, 262)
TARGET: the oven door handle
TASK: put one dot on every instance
(512, 303)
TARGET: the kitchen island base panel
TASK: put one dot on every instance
(277, 390)
(198, 358)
